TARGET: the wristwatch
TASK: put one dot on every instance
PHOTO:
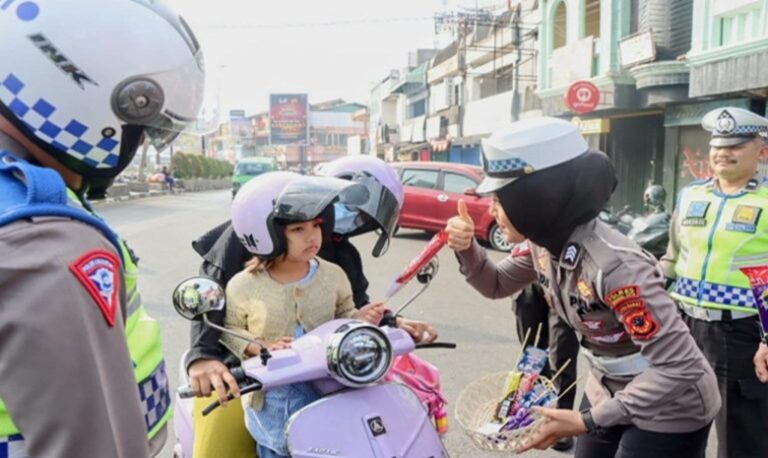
(589, 422)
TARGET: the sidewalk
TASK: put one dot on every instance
(132, 195)
(128, 191)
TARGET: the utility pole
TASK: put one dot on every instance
(143, 161)
(516, 42)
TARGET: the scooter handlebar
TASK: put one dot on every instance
(186, 391)
(255, 386)
(450, 345)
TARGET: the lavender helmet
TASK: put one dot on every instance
(381, 211)
(267, 202)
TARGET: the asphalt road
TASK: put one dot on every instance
(160, 230)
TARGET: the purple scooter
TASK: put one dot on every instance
(346, 360)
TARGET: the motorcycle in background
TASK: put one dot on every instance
(650, 231)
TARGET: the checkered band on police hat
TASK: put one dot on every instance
(526, 146)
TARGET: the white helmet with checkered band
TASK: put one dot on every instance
(88, 80)
(526, 146)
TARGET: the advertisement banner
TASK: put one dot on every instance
(289, 115)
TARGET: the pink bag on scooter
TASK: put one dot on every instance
(424, 380)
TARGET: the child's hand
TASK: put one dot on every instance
(372, 313)
(420, 331)
(280, 344)
(207, 373)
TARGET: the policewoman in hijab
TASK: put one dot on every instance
(650, 392)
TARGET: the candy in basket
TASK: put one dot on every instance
(496, 410)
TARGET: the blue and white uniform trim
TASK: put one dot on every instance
(12, 447)
(155, 396)
(713, 292)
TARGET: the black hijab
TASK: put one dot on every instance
(546, 206)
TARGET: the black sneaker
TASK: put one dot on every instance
(563, 444)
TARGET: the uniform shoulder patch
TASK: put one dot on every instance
(619, 295)
(571, 254)
(98, 272)
(641, 324)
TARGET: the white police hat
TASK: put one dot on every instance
(732, 126)
(526, 146)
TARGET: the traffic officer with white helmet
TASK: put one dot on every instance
(719, 225)
(82, 84)
(650, 391)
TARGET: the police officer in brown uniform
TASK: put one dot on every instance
(82, 84)
(650, 392)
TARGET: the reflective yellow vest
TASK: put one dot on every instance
(717, 235)
(145, 348)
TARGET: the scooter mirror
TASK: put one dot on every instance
(428, 272)
(196, 296)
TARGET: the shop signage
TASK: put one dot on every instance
(592, 126)
(637, 49)
(582, 97)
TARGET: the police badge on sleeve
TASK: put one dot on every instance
(98, 272)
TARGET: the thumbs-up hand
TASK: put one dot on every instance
(460, 229)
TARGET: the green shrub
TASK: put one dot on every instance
(198, 166)
(181, 166)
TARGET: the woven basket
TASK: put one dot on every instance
(476, 407)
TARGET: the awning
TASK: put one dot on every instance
(414, 81)
(411, 147)
(440, 145)
(469, 141)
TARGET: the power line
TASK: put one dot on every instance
(489, 22)
(300, 25)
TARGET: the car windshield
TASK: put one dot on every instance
(251, 169)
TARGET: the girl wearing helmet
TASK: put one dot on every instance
(281, 219)
(224, 256)
(650, 392)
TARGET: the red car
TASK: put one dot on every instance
(432, 192)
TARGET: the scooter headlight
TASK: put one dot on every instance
(359, 354)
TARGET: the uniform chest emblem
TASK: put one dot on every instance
(696, 214)
(585, 290)
(98, 272)
(543, 261)
(744, 219)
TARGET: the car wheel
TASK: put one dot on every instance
(498, 240)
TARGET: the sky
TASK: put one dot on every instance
(327, 48)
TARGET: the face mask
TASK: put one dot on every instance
(346, 219)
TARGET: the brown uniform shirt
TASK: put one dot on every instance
(612, 293)
(65, 374)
